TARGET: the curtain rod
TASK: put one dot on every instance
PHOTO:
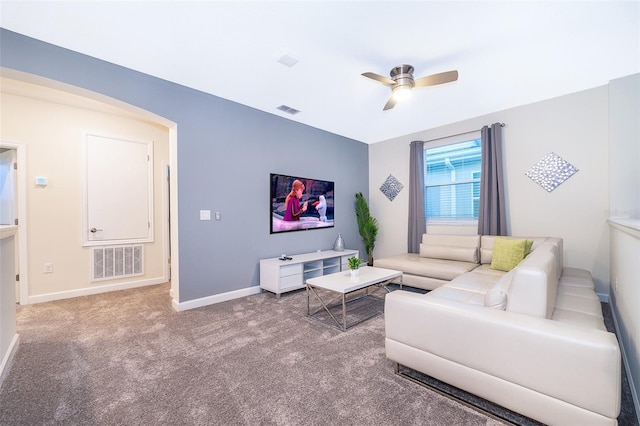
(459, 134)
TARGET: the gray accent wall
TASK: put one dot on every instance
(226, 152)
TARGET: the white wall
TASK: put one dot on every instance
(51, 124)
(575, 127)
(624, 172)
(624, 155)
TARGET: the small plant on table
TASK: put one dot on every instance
(354, 263)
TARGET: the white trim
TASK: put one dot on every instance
(67, 294)
(451, 222)
(216, 298)
(23, 269)
(7, 360)
(628, 226)
(165, 220)
(173, 216)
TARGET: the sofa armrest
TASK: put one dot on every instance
(579, 366)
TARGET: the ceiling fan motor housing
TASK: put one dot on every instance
(403, 75)
(402, 82)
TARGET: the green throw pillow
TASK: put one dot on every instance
(508, 252)
(527, 247)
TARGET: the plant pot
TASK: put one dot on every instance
(354, 272)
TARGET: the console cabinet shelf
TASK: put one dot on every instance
(279, 276)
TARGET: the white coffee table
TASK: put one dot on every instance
(343, 284)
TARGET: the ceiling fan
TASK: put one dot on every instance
(402, 81)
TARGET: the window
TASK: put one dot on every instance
(452, 181)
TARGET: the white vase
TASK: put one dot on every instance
(354, 272)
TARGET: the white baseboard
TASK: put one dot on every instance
(8, 358)
(216, 298)
(94, 290)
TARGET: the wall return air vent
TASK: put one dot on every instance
(114, 262)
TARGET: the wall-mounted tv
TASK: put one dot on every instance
(300, 204)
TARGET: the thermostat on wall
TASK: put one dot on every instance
(41, 181)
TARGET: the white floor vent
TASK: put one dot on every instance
(117, 262)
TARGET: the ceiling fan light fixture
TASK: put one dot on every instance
(401, 93)
(402, 82)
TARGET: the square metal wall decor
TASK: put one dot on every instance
(551, 171)
(391, 187)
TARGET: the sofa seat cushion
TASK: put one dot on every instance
(577, 291)
(459, 295)
(577, 277)
(480, 280)
(412, 263)
(579, 319)
(584, 305)
(576, 273)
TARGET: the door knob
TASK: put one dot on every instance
(94, 230)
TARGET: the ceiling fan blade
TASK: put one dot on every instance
(390, 104)
(384, 80)
(435, 79)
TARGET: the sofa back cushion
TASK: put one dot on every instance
(487, 243)
(534, 284)
(464, 248)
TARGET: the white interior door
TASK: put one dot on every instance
(8, 201)
(119, 190)
(8, 212)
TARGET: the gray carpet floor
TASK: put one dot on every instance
(126, 358)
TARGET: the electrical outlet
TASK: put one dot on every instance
(48, 268)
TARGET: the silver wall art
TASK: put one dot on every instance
(551, 171)
(391, 187)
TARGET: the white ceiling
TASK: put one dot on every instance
(507, 53)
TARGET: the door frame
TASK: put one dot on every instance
(21, 181)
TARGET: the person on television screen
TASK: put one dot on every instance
(292, 202)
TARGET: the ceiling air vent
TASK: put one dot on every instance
(288, 60)
(288, 110)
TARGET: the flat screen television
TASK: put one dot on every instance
(290, 195)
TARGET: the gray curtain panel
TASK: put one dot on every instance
(492, 218)
(417, 225)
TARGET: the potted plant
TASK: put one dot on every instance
(354, 264)
(367, 226)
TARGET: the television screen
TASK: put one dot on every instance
(299, 203)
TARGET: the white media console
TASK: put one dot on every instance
(279, 276)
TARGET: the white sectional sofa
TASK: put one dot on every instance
(531, 339)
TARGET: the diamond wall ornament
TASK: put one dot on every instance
(551, 171)
(391, 187)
